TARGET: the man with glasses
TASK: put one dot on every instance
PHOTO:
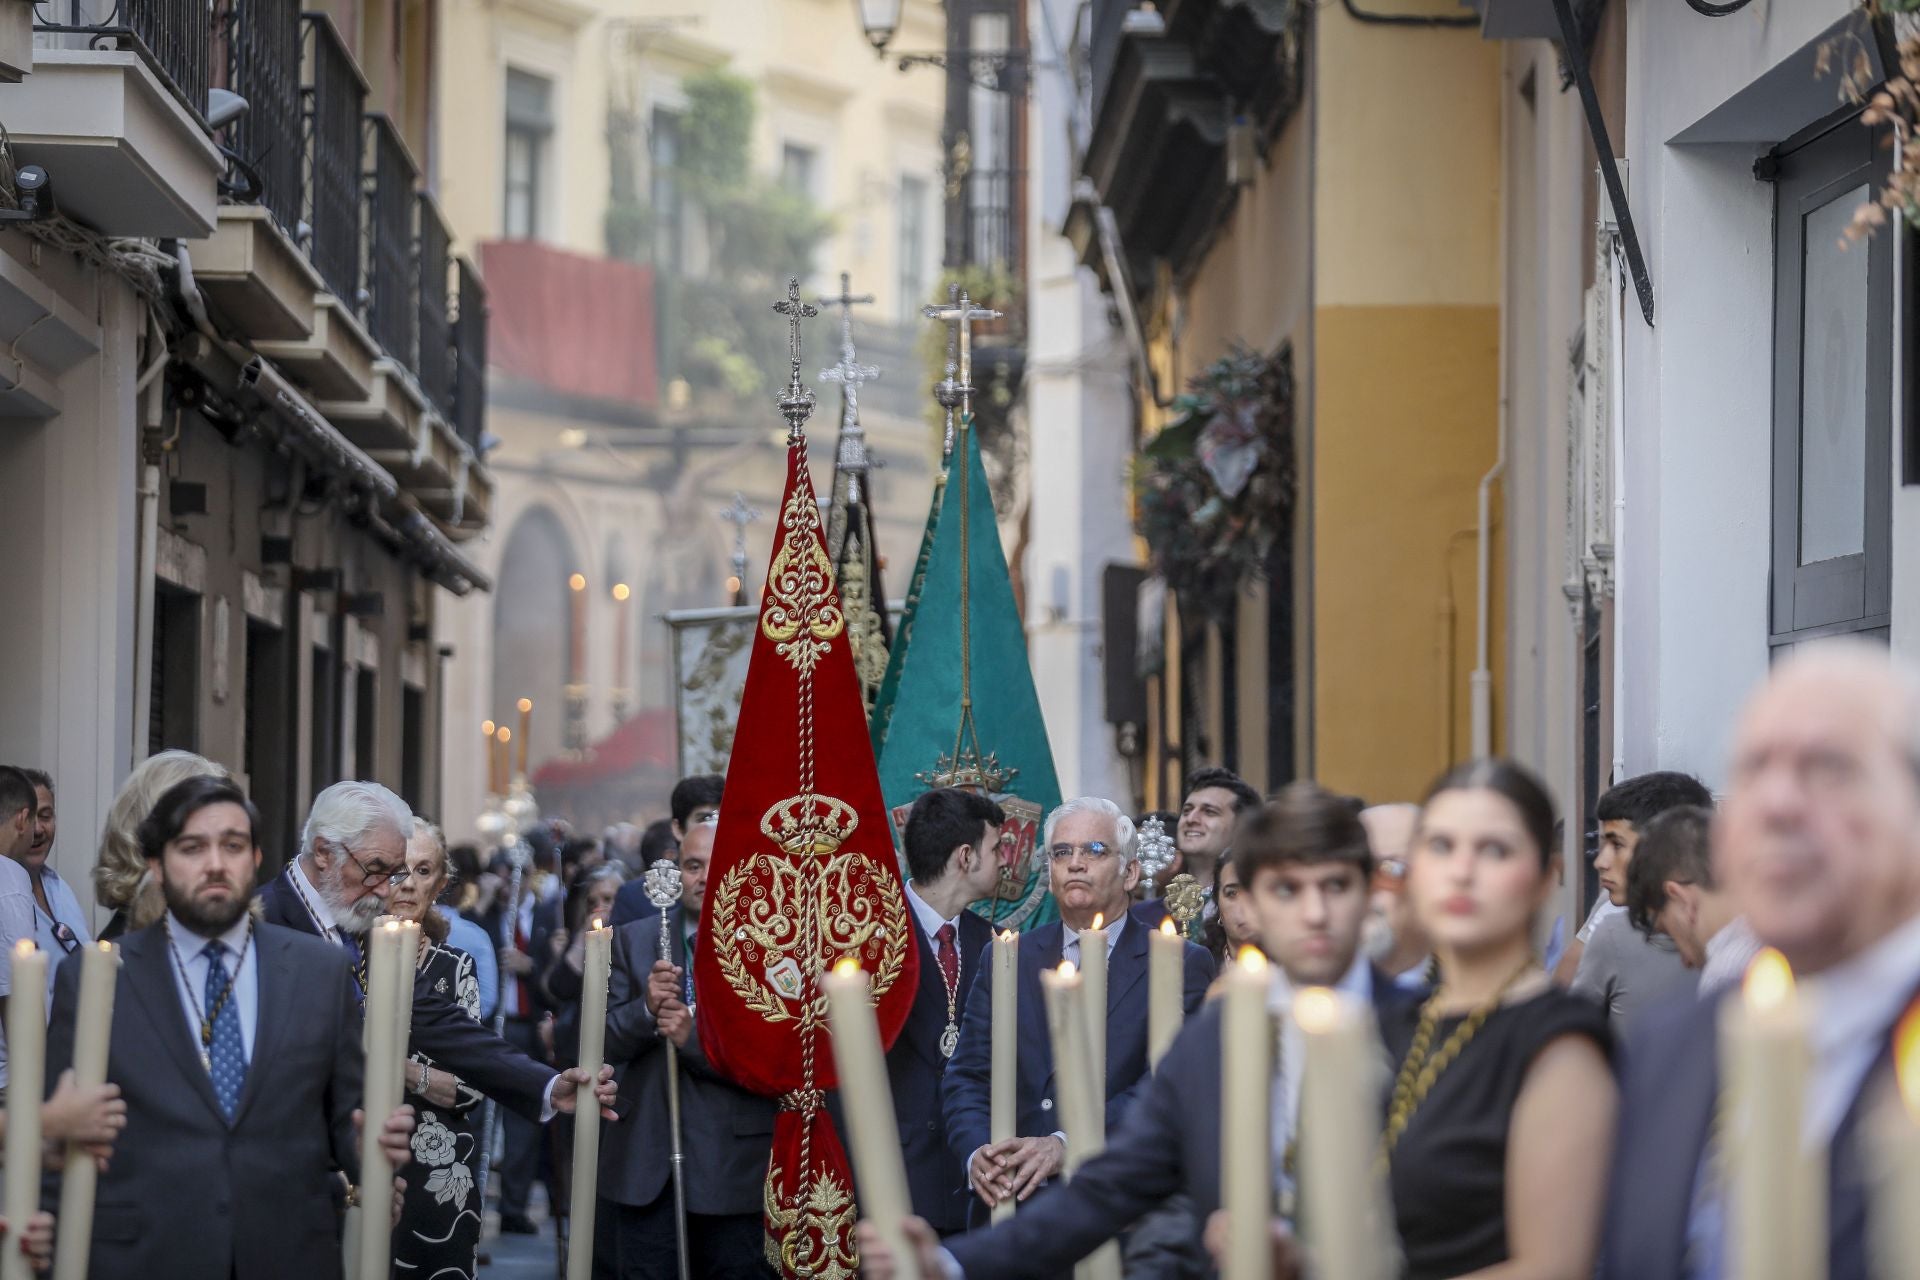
(1391, 937)
(352, 849)
(1093, 864)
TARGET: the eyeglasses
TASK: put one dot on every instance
(374, 877)
(1092, 851)
(1390, 874)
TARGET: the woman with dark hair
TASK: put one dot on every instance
(1500, 1122)
(439, 1228)
(1232, 924)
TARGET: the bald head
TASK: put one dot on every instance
(696, 851)
(1819, 839)
(1390, 829)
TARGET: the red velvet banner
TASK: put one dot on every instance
(803, 876)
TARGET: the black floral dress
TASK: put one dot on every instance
(439, 1228)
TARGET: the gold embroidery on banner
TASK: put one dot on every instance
(814, 1237)
(863, 622)
(801, 616)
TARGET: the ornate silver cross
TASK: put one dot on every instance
(796, 404)
(961, 314)
(849, 373)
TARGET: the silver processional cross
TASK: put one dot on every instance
(960, 315)
(796, 403)
(851, 457)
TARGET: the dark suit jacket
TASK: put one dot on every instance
(1668, 1097)
(188, 1192)
(442, 1031)
(916, 1067)
(1169, 1144)
(966, 1091)
(632, 903)
(726, 1132)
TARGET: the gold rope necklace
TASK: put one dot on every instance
(1423, 1065)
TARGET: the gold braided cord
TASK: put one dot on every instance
(1420, 1072)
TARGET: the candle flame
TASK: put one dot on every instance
(486, 728)
(1166, 928)
(24, 947)
(503, 734)
(1066, 969)
(525, 705)
(1316, 1010)
(598, 924)
(1253, 958)
(621, 591)
(1008, 935)
(1099, 920)
(1906, 1060)
(578, 582)
(847, 967)
(1769, 981)
(393, 926)
(106, 946)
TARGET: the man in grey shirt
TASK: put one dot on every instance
(1622, 969)
(16, 889)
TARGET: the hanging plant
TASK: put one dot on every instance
(1214, 490)
(1895, 104)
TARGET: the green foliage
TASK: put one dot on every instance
(715, 133)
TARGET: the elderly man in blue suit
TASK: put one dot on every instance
(1094, 864)
(1306, 861)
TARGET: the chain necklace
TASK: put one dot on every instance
(1423, 1064)
(950, 1037)
(206, 1017)
(332, 932)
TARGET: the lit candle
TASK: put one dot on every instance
(1006, 1040)
(93, 1026)
(1077, 1091)
(525, 706)
(1246, 1144)
(1777, 1192)
(867, 1099)
(586, 1112)
(26, 1086)
(1895, 1227)
(408, 943)
(621, 594)
(380, 1095)
(503, 736)
(1166, 952)
(1093, 969)
(577, 655)
(1339, 1090)
(493, 775)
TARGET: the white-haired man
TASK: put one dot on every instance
(352, 849)
(1094, 864)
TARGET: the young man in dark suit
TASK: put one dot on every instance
(726, 1132)
(237, 1049)
(1094, 864)
(1306, 863)
(951, 838)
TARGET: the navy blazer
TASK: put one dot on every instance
(726, 1132)
(1669, 1094)
(1169, 1144)
(442, 1031)
(916, 1068)
(965, 1093)
(190, 1192)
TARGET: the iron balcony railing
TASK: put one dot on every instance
(173, 37)
(388, 283)
(263, 66)
(333, 95)
(436, 330)
(470, 357)
(992, 221)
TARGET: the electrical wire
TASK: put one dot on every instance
(1711, 9)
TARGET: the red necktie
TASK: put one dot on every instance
(948, 956)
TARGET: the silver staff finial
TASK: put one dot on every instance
(851, 457)
(957, 389)
(796, 405)
(663, 883)
(1156, 852)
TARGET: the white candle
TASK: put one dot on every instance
(1166, 1010)
(93, 1026)
(380, 1095)
(1246, 1142)
(586, 1111)
(867, 1099)
(1777, 1192)
(1093, 970)
(1338, 1090)
(26, 1087)
(1894, 1226)
(1077, 1091)
(1006, 1040)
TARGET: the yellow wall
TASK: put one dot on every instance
(1405, 378)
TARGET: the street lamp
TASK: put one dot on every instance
(879, 19)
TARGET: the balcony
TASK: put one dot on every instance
(113, 111)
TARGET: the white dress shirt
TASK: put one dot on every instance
(315, 904)
(190, 977)
(1854, 1005)
(66, 911)
(16, 922)
(929, 919)
(1356, 984)
(1070, 948)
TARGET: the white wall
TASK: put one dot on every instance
(1693, 597)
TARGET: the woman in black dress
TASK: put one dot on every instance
(439, 1228)
(1500, 1122)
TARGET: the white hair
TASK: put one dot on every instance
(345, 813)
(1122, 825)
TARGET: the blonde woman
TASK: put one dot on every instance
(121, 879)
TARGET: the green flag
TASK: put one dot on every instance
(963, 636)
(882, 713)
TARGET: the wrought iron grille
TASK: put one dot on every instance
(391, 312)
(333, 96)
(173, 37)
(436, 332)
(470, 357)
(263, 64)
(991, 218)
